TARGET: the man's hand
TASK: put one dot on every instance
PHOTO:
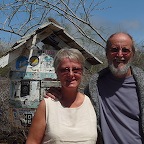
(54, 93)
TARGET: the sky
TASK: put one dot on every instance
(123, 15)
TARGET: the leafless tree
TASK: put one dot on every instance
(20, 17)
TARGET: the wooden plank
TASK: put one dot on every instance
(5, 60)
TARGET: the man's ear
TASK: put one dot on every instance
(133, 56)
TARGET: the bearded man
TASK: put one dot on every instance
(117, 94)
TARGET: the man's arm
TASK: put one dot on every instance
(54, 93)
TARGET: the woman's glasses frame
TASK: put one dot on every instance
(67, 70)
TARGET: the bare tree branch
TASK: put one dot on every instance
(20, 17)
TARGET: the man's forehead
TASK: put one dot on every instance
(120, 39)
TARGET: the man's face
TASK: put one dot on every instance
(120, 55)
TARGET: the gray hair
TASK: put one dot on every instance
(72, 54)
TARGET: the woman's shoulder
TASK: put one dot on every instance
(87, 98)
(51, 102)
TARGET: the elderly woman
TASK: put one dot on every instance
(72, 118)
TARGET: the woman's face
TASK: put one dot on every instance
(69, 73)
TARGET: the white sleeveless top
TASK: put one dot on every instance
(70, 125)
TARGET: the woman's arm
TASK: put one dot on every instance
(38, 125)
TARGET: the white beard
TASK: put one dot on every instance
(119, 71)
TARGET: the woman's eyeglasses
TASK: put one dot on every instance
(125, 51)
(67, 70)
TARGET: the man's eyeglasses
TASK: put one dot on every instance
(125, 51)
(67, 70)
